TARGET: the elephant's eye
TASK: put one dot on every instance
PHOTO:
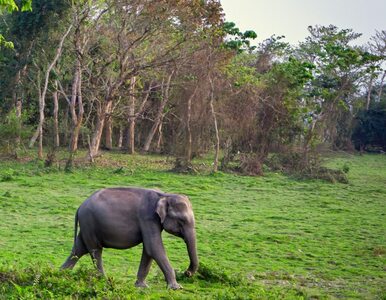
(182, 221)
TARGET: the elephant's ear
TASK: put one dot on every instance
(162, 208)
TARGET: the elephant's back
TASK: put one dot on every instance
(111, 199)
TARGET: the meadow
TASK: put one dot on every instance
(263, 237)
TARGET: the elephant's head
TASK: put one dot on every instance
(177, 218)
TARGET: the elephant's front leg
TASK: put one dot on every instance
(154, 248)
(144, 268)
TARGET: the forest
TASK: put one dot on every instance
(177, 78)
(170, 94)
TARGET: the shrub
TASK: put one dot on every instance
(296, 164)
(12, 134)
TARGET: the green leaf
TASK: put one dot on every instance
(8, 5)
(5, 43)
(250, 34)
(26, 5)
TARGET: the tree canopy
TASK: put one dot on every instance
(176, 77)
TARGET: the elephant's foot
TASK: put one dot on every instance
(188, 273)
(174, 286)
(141, 284)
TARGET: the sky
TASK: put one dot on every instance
(292, 17)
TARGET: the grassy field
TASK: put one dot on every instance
(258, 237)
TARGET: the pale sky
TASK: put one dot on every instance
(292, 17)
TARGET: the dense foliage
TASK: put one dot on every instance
(175, 77)
(369, 128)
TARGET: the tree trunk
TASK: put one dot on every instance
(132, 136)
(158, 147)
(40, 149)
(369, 88)
(18, 116)
(108, 133)
(120, 139)
(132, 117)
(217, 148)
(307, 142)
(39, 130)
(188, 157)
(103, 110)
(15, 92)
(77, 118)
(65, 125)
(125, 138)
(76, 98)
(56, 111)
(381, 87)
(160, 114)
(18, 105)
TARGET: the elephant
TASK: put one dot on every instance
(124, 217)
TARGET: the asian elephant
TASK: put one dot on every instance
(122, 218)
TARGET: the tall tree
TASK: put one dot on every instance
(339, 70)
(43, 92)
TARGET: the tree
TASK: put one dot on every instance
(127, 42)
(339, 70)
(377, 46)
(33, 34)
(43, 91)
(164, 99)
(10, 6)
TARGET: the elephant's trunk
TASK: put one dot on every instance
(190, 240)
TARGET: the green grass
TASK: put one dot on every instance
(258, 237)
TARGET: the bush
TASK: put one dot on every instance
(12, 134)
(369, 131)
(251, 164)
(296, 164)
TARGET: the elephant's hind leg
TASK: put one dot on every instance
(78, 250)
(96, 256)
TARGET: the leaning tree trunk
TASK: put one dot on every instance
(158, 147)
(160, 114)
(103, 110)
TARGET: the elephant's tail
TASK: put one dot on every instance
(76, 225)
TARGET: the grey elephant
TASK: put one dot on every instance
(122, 218)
